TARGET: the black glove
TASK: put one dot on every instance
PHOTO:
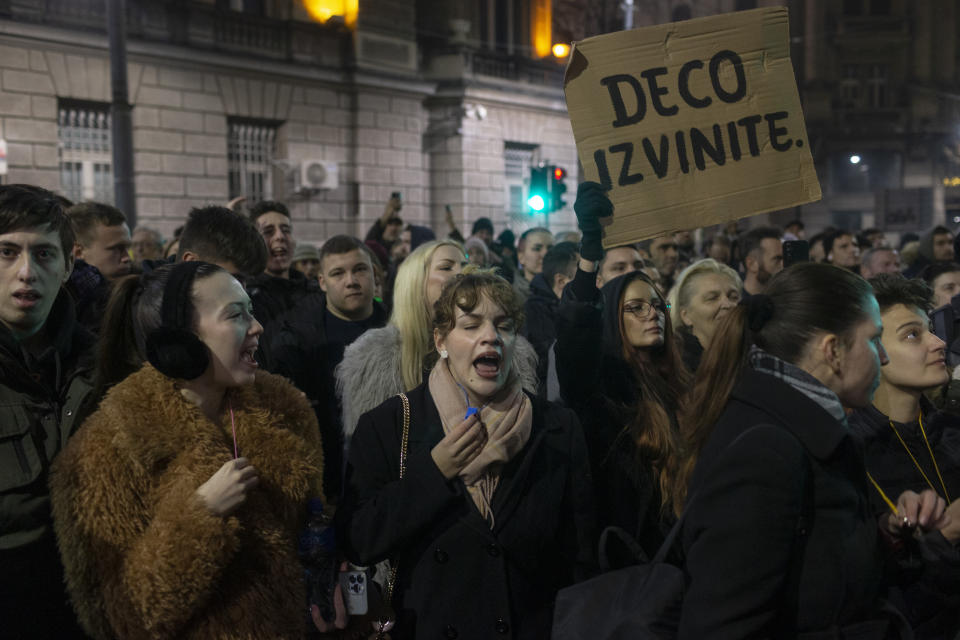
(591, 205)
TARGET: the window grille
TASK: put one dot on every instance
(86, 163)
(250, 158)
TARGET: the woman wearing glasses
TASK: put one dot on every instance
(620, 369)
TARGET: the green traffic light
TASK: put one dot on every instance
(536, 203)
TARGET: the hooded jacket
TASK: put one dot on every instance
(370, 373)
(143, 556)
(599, 385)
(932, 603)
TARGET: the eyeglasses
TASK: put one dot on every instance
(643, 309)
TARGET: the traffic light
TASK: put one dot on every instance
(558, 187)
(539, 196)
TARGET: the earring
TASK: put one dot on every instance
(443, 353)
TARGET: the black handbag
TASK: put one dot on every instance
(640, 602)
(633, 603)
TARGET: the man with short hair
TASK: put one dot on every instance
(307, 343)
(665, 255)
(944, 279)
(219, 236)
(877, 260)
(841, 250)
(101, 252)
(531, 249)
(618, 261)
(103, 238)
(146, 244)
(762, 258)
(559, 268)
(45, 366)
(935, 246)
(279, 288)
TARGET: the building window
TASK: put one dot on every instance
(877, 86)
(850, 90)
(250, 150)
(85, 151)
(518, 158)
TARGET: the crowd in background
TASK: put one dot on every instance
(475, 411)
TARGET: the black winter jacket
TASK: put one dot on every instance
(932, 602)
(457, 577)
(272, 296)
(759, 563)
(42, 402)
(540, 326)
(297, 348)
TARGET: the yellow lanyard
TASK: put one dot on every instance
(936, 467)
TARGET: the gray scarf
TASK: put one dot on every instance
(799, 379)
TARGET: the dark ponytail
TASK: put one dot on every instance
(132, 313)
(801, 302)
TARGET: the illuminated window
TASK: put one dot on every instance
(324, 10)
(86, 160)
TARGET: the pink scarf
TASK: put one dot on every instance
(507, 417)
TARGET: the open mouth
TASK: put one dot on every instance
(247, 357)
(488, 365)
(279, 252)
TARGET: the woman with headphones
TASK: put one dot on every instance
(177, 504)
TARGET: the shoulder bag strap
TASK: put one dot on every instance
(404, 439)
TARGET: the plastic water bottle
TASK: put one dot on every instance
(318, 554)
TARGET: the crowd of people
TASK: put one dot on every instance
(473, 413)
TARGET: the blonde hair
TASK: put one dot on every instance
(679, 297)
(411, 315)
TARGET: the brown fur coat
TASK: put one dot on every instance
(144, 558)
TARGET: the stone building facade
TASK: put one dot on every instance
(233, 97)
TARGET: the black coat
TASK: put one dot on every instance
(539, 327)
(297, 347)
(600, 387)
(272, 296)
(754, 567)
(932, 601)
(457, 577)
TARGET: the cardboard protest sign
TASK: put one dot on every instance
(691, 123)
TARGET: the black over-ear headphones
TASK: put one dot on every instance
(172, 348)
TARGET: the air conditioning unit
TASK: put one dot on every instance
(318, 174)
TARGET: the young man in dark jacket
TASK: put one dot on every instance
(279, 288)
(44, 389)
(307, 343)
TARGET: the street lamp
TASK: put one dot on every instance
(561, 50)
(854, 159)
